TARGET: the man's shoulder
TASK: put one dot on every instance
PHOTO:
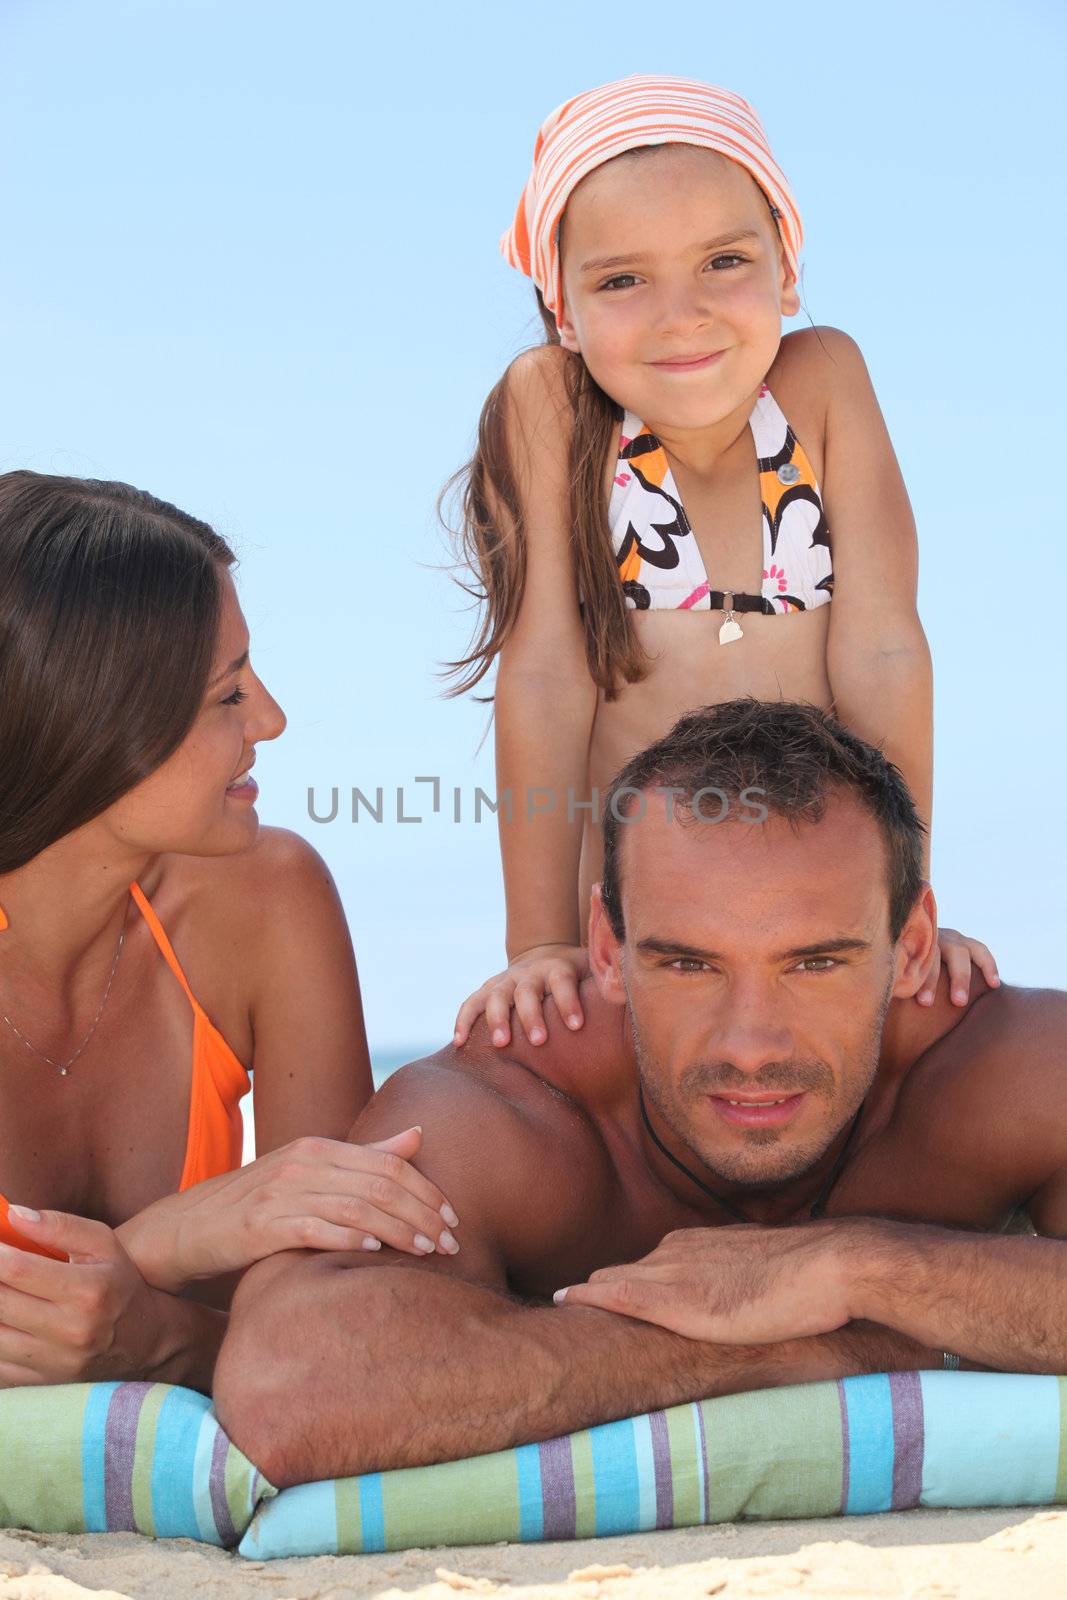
(523, 1162)
(997, 1078)
(539, 1102)
(592, 1065)
(1008, 1025)
(567, 1083)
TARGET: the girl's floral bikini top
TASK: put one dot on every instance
(657, 555)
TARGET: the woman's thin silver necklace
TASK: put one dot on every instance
(63, 1067)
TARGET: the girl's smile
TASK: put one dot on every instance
(688, 363)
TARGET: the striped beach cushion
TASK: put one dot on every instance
(122, 1457)
(867, 1444)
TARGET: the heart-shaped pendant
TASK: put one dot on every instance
(730, 631)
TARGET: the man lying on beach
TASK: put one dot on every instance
(809, 1173)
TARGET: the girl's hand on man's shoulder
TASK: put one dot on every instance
(518, 995)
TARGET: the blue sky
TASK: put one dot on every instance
(251, 264)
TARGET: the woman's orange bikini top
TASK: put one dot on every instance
(216, 1135)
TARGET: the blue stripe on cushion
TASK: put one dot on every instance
(992, 1439)
(371, 1512)
(174, 1464)
(94, 1426)
(301, 1521)
(870, 1444)
(531, 1504)
(615, 1477)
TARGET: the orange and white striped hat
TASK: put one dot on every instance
(646, 108)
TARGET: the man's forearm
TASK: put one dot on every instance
(998, 1301)
(396, 1366)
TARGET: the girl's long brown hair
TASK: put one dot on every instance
(495, 557)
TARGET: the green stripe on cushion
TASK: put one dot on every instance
(773, 1453)
(471, 1502)
(244, 1487)
(584, 1485)
(347, 1512)
(144, 1516)
(686, 1477)
(41, 1428)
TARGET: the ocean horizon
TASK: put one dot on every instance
(384, 1062)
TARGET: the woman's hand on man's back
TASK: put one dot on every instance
(315, 1194)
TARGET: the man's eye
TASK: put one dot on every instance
(687, 964)
(819, 963)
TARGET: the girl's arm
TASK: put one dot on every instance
(878, 660)
(545, 704)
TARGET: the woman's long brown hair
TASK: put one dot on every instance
(109, 609)
(495, 557)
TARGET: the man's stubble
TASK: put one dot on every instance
(754, 1163)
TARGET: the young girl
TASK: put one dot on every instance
(671, 504)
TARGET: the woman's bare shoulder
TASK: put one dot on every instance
(280, 871)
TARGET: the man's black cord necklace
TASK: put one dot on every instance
(819, 1203)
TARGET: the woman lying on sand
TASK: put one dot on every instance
(156, 947)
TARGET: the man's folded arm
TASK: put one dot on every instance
(999, 1301)
(336, 1364)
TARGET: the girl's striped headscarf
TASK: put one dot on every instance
(645, 108)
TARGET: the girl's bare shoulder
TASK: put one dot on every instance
(816, 370)
(538, 403)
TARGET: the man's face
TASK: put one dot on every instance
(758, 968)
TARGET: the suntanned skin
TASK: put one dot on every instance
(547, 1163)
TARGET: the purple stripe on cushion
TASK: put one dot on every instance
(557, 1489)
(846, 1457)
(661, 1466)
(906, 1394)
(120, 1447)
(220, 1506)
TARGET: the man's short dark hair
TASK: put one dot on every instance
(797, 756)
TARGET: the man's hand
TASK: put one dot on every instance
(736, 1285)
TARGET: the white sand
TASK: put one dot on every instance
(914, 1555)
